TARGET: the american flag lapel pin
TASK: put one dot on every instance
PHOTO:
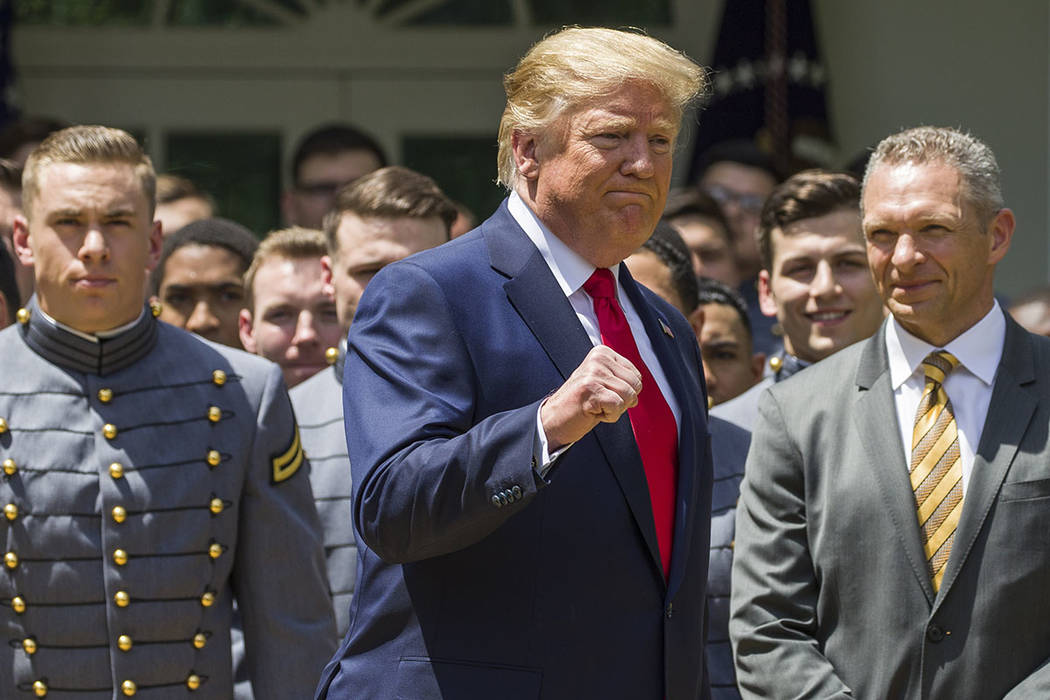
(666, 329)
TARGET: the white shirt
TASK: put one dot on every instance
(571, 271)
(969, 386)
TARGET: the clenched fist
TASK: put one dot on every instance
(604, 386)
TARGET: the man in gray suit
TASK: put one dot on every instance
(149, 476)
(891, 535)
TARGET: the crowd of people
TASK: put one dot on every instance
(764, 435)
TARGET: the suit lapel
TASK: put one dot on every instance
(1009, 413)
(875, 415)
(542, 305)
(671, 363)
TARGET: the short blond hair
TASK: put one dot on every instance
(88, 144)
(576, 65)
(294, 243)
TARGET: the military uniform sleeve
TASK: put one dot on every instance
(774, 589)
(279, 575)
(429, 475)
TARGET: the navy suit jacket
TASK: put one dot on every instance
(477, 577)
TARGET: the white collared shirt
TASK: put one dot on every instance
(571, 271)
(969, 386)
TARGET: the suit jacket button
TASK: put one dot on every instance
(934, 633)
(496, 502)
(503, 500)
(516, 491)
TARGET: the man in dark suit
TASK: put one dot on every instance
(533, 504)
(891, 534)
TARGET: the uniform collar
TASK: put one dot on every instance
(101, 354)
(784, 365)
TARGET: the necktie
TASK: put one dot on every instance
(652, 421)
(936, 469)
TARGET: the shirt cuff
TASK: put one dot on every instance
(542, 457)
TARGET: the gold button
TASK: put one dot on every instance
(3, 426)
(105, 395)
(775, 363)
(116, 470)
(128, 688)
(10, 511)
(214, 414)
(29, 644)
(119, 514)
(208, 599)
(214, 458)
(155, 307)
(215, 506)
(109, 430)
(124, 642)
(10, 467)
(23, 317)
(331, 355)
(11, 560)
(18, 604)
(122, 599)
(219, 377)
(193, 682)
(120, 556)
(215, 550)
(199, 640)
(40, 689)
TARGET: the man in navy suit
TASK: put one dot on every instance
(526, 424)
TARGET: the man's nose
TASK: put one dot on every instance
(639, 158)
(824, 282)
(94, 246)
(202, 319)
(305, 329)
(905, 252)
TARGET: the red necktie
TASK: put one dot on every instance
(652, 419)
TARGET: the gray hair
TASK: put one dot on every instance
(957, 149)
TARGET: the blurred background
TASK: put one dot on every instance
(220, 91)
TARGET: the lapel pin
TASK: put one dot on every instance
(666, 329)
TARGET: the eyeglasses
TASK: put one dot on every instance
(750, 203)
(320, 189)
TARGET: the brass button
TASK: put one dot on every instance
(219, 377)
(155, 308)
(10, 467)
(105, 395)
(193, 682)
(23, 317)
(208, 599)
(29, 644)
(11, 560)
(331, 355)
(3, 426)
(120, 557)
(109, 430)
(122, 599)
(199, 640)
(214, 458)
(116, 470)
(18, 604)
(215, 506)
(214, 414)
(124, 642)
(128, 688)
(775, 363)
(215, 550)
(119, 514)
(40, 689)
(10, 511)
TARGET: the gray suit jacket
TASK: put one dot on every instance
(830, 592)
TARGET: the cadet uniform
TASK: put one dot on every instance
(148, 477)
(743, 409)
(318, 406)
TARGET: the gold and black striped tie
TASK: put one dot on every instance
(936, 467)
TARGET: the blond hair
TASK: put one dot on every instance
(293, 243)
(576, 65)
(88, 144)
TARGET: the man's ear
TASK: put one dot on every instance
(696, 320)
(244, 330)
(288, 207)
(156, 242)
(326, 276)
(524, 146)
(766, 302)
(20, 239)
(1002, 232)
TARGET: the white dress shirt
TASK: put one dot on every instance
(969, 386)
(571, 271)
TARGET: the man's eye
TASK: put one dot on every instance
(231, 295)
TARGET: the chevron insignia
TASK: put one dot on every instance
(288, 462)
